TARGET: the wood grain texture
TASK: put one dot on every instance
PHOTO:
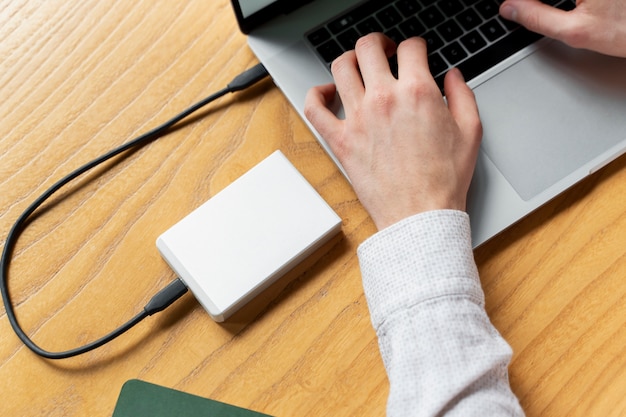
(79, 78)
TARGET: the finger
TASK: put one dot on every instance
(412, 60)
(316, 104)
(462, 106)
(345, 70)
(538, 17)
(372, 52)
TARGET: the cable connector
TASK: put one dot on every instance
(164, 298)
(248, 78)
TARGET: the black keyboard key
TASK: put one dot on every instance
(369, 25)
(395, 35)
(454, 53)
(508, 24)
(473, 41)
(347, 39)
(449, 30)
(497, 52)
(412, 27)
(329, 50)
(431, 16)
(487, 8)
(433, 41)
(492, 30)
(341, 24)
(319, 36)
(408, 7)
(389, 17)
(439, 81)
(450, 7)
(355, 15)
(566, 5)
(469, 19)
(436, 64)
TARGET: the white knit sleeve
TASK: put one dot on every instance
(442, 354)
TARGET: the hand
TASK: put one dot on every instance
(404, 150)
(598, 25)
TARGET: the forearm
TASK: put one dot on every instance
(440, 350)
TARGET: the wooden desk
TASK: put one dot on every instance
(78, 78)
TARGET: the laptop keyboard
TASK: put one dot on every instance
(468, 34)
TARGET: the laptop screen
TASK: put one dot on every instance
(250, 7)
(253, 13)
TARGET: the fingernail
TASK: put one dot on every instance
(508, 12)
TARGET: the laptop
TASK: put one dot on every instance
(551, 115)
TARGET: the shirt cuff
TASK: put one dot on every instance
(425, 256)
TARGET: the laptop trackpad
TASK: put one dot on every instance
(551, 113)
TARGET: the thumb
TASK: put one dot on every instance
(463, 107)
(316, 110)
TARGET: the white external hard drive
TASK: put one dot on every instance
(249, 234)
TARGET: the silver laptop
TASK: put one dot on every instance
(551, 115)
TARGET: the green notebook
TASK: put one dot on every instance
(142, 399)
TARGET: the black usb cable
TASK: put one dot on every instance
(163, 298)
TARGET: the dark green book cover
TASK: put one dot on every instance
(143, 399)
